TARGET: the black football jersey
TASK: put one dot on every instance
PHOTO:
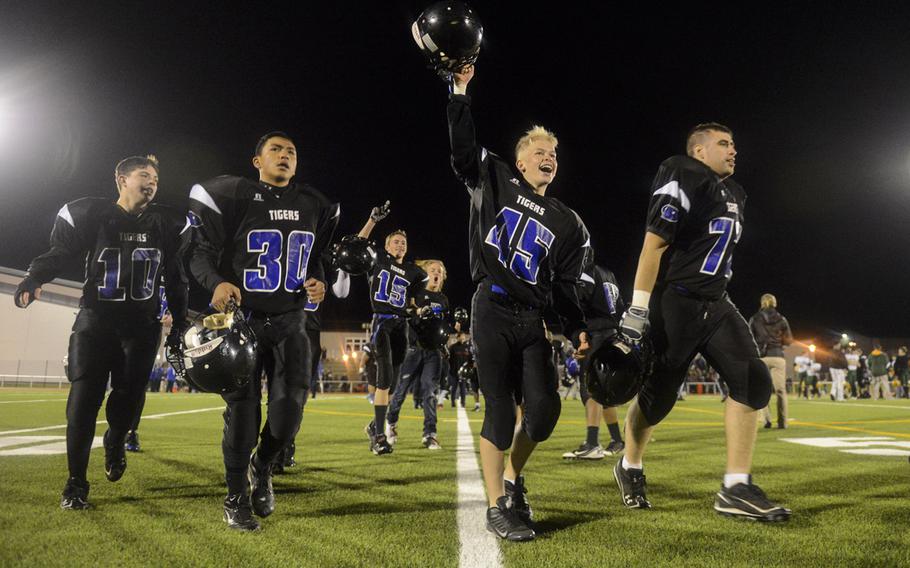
(266, 241)
(529, 245)
(701, 217)
(393, 284)
(600, 299)
(126, 257)
(459, 354)
(438, 302)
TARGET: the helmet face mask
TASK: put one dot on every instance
(449, 34)
(432, 331)
(355, 255)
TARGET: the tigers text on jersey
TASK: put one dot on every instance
(126, 256)
(393, 283)
(600, 299)
(701, 217)
(267, 241)
(529, 245)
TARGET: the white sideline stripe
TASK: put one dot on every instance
(478, 548)
(151, 416)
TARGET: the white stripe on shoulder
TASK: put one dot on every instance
(587, 243)
(586, 278)
(187, 226)
(202, 196)
(483, 153)
(337, 211)
(673, 190)
(64, 214)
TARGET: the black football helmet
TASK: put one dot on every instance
(217, 354)
(460, 315)
(449, 34)
(432, 330)
(617, 370)
(467, 372)
(355, 255)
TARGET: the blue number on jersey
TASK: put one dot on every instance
(726, 228)
(111, 290)
(532, 247)
(611, 293)
(392, 293)
(143, 276)
(268, 243)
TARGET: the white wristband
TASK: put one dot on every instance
(641, 299)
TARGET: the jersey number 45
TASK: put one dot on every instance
(521, 255)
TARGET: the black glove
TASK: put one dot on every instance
(634, 324)
(380, 213)
(27, 285)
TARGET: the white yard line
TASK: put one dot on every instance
(850, 404)
(478, 548)
(150, 416)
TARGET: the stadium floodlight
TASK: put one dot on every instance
(812, 348)
(345, 357)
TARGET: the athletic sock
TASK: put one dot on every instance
(236, 481)
(593, 434)
(614, 432)
(627, 466)
(379, 420)
(731, 479)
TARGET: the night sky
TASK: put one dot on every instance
(817, 94)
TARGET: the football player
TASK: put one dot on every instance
(602, 305)
(257, 244)
(394, 283)
(128, 244)
(695, 219)
(525, 247)
(422, 365)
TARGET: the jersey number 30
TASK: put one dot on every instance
(523, 257)
(268, 274)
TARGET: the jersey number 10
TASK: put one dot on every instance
(143, 276)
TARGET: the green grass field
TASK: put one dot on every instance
(342, 506)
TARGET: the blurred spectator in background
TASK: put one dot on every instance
(772, 333)
(838, 370)
(852, 356)
(802, 363)
(878, 367)
(902, 372)
(155, 378)
(171, 377)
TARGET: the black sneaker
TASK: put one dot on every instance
(516, 492)
(114, 457)
(748, 501)
(768, 425)
(370, 431)
(132, 441)
(504, 523)
(75, 494)
(631, 483)
(262, 496)
(238, 514)
(615, 448)
(380, 445)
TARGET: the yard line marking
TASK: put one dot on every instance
(848, 429)
(845, 404)
(477, 547)
(151, 416)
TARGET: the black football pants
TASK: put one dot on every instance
(390, 345)
(514, 363)
(284, 357)
(683, 326)
(100, 347)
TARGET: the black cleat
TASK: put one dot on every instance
(748, 501)
(238, 514)
(517, 491)
(504, 522)
(289, 452)
(262, 495)
(615, 448)
(75, 495)
(132, 441)
(380, 445)
(114, 457)
(631, 483)
(370, 431)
